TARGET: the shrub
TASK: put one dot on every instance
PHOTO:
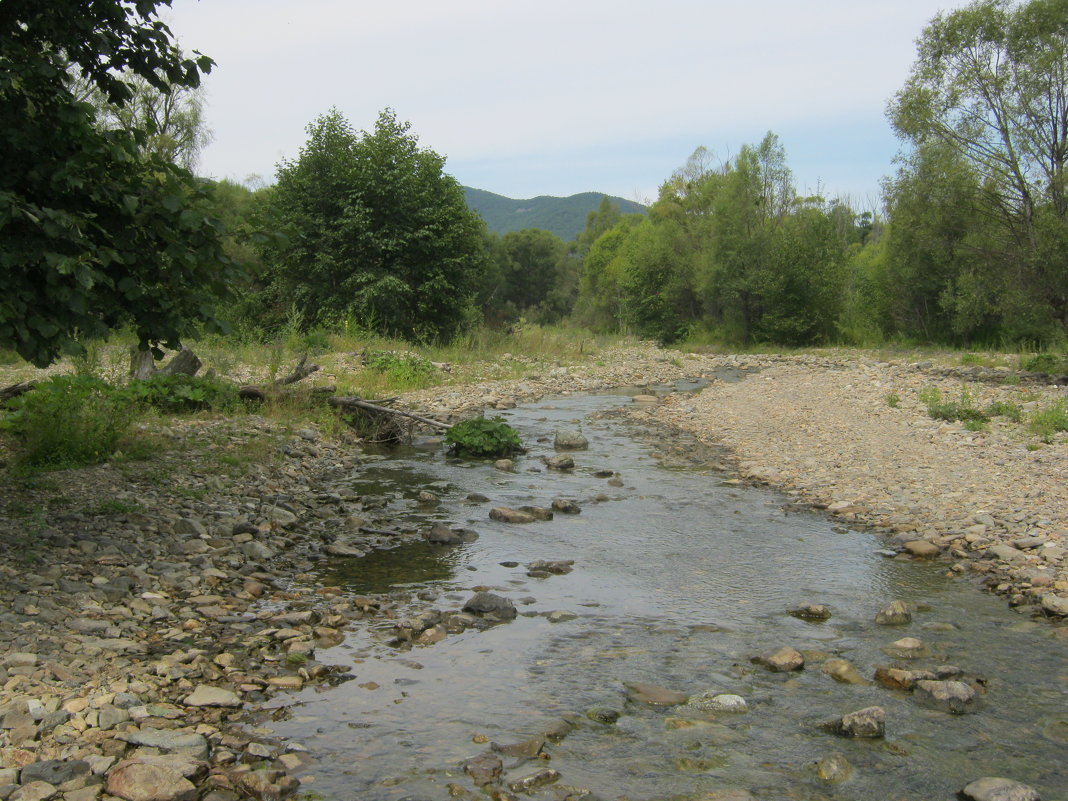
(1006, 409)
(1042, 363)
(480, 437)
(406, 368)
(963, 410)
(893, 400)
(68, 421)
(183, 393)
(1049, 421)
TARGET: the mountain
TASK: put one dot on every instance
(564, 216)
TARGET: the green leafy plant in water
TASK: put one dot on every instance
(480, 437)
(68, 421)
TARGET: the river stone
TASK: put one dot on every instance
(528, 749)
(565, 506)
(560, 616)
(816, 612)
(1055, 604)
(206, 695)
(954, 697)
(711, 701)
(136, 780)
(256, 550)
(727, 795)
(538, 779)
(561, 462)
(537, 512)
(906, 648)
(603, 714)
(34, 791)
(843, 670)
(440, 534)
(834, 769)
(169, 741)
(993, 788)
(901, 679)
(869, 723)
(896, 613)
(570, 440)
(486, 603)
(506, 515)
(654, 694)
(484, 769)
(1006, 553)
(645, 399)
(504, 465)
(782, 661)
(922, 548)
(55, 771)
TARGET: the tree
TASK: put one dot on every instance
(990, 83)
(96, 233)
(377, 231)
(172, 120)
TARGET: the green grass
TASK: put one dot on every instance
(1046, 423)
(893, 400)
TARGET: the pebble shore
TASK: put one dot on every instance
(146, 625)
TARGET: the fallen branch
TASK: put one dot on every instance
(300, 372)
(13, 391)
(358, 403)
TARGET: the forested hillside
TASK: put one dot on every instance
(563, 216)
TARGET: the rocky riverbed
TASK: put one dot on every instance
(152, 610)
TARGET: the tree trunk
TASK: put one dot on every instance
(143, 365)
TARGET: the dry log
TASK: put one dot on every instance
(301, 371)
(358, 403)
(13, 391)
(143, 364)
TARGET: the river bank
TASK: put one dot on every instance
(152, 609)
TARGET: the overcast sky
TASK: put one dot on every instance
(554, 98)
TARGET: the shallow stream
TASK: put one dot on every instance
(679, 579)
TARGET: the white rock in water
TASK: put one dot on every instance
(206, 695)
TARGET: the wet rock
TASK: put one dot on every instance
(834, 769)
(484, 769)
(650, 399)
(55, 771)
(565, 506)
(1006, 553)
(206, 695)
(869, 723)
(1055, 604)
(711, 701)
(169, 741)
(817, 612)
(896, 613)
(505, 514)
(477, 497)
(906, 648)
(900, 679)
(534, 780)
(561, 462)
(558, 567)
(528, 749)
(654, 694)
(843, 670)
(993, 788)
(440, 534)
(487, 603)
(345, 551)
(268, 785)
(138, 780)
(537, 512)
(922, 548)
(505, 465)
(603, 714)
(726, 795)
(954, 697)
(570, 440)
(560, 616)
(782, 661)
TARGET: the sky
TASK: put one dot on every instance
(555, 98)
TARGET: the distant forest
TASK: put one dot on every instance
(563, 216)
(106, 225)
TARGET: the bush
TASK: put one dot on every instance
(480, 437)
(1043, 363)
(1006, 409)
(1051, 420)
(183, 393)
(405, 368)
(964, 410)
(68, 421)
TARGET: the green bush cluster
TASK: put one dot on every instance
(68, 421)
(1051, 420)
(481, 438)
(183, 393)
(1045, 363)
(404, 368)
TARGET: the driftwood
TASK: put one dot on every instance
(13, 391)
(350, 403)
(300, 372)
(143, 364)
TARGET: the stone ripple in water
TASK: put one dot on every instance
(678, 581)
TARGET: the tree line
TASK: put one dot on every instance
(104, 224)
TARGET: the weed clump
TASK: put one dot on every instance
(183, 393)
(1051, 420)
(68, 421)
(401, 368)
(481, 438)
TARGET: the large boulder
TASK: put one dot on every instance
(869, 723)
(570, 440)
(896, 613)
(782, 661)
(955, 697)
(992, 788)
(487, 604)
(137, 780)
